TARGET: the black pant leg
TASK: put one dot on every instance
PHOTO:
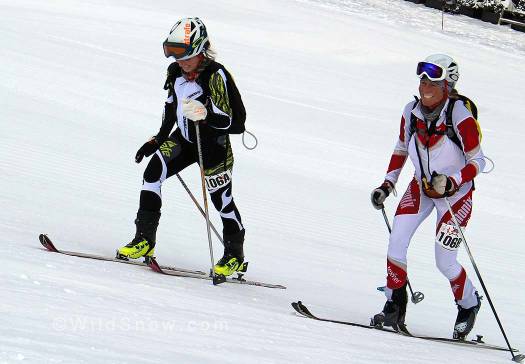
(173, 156)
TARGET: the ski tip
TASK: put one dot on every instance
(402, 329)
(297, 308)
(47, 243)
(303, 308)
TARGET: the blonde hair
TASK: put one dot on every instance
(210, 53)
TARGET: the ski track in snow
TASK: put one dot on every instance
(324, 83)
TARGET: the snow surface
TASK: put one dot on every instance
(324, 83)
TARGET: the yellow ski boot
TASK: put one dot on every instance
(228, 265)
(233, 258)
(143, 245)
(137, 248)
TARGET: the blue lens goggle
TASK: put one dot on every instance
(432, 71)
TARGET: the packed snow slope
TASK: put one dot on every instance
(324, 83)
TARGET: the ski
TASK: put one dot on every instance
(152, 263)
(302, 310)
(49, 245)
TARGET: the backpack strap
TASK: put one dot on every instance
(170, 110)
(448, 121)
(413, 119)
(174, 71)
(450, 132)
(471, 106)
(412, 130)
(204, 76)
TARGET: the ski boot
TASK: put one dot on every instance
(394, 311)
(466, 319)
(143, 244)
(233, 259)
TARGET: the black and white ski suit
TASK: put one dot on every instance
(178, 150)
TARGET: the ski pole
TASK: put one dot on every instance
(416, 296)
(215, 280)
(198, 206)
(443, 17)
(516, 358)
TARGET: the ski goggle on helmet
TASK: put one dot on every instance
(187, 38)
(439, 67)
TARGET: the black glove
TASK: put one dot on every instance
(380, 194)
(147, 149)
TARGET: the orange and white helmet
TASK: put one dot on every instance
(187, 38)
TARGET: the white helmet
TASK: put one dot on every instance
(445, 62)
(187, 38)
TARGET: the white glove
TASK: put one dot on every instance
(441, 186)
(439, 183)
(193, 109)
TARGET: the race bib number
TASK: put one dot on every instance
(449, 237)
(213, 183)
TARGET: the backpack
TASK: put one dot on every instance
(238, 110)
(237, 106)
(450, 132)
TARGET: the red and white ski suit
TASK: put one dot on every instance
(444, 157)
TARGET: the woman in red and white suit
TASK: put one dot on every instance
(443, 168)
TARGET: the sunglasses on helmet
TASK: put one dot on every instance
(178, 50)
(432, 71)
